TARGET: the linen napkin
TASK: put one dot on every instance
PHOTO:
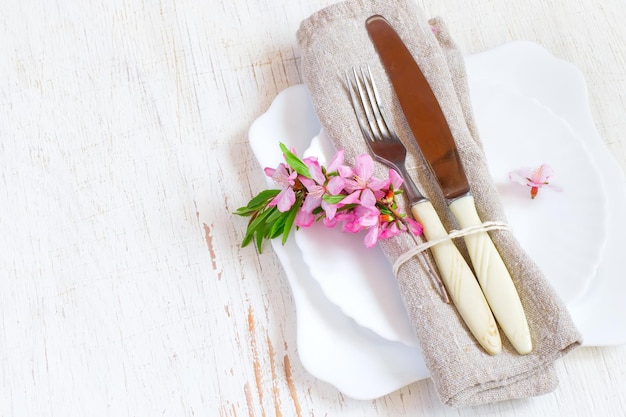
(331, 41)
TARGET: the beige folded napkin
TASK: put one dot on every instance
(331, 42)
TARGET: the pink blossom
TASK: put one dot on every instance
(285, 177)
(336, 164)
(362, 217)
(318, 186)
(371, 237)
(535, 179)
(361, 176)
(387, 227)
(416, 227)
(339, 194)
(395, 179)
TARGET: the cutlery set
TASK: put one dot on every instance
(482, 298)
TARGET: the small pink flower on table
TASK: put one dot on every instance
(534, 178)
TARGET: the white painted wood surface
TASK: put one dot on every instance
(123, 151)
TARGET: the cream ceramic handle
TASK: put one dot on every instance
(459, 281)
(494, 277)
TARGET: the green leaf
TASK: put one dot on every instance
(243, 211)
(333, 199)
(256, 225)
(277, 228)
(275, 215)
(257, 203)
(294, 162)
(289, 221)
(279, 225)
(347, 207)
(265, 228)
(259, 241)
(246, 240)
(263, 198)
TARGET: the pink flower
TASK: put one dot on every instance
(285, 177)
(372, 192)
(395, 179)
(337, 194)
(318, 186)
(416, 227)
(535, 179)
(362, 217)
(387, 227)
(336, 164)
(361, 176)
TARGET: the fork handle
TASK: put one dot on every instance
(459, 280)
(494, 277)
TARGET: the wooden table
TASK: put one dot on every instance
(123, 152)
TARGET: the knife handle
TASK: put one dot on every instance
(494, 277)
(459, 280)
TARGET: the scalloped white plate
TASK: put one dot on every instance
(516, 131)
(358, 361)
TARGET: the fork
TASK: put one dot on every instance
(386, 147)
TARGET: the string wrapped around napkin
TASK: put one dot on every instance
(332, 41)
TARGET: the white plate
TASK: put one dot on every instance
(529, 69)
(564, 232)
(361, 282)
(358, 280)
(516, 131)
(331, 346)
(356, 360)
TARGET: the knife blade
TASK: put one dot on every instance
(430, 128)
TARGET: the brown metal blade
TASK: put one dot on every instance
(420, 107)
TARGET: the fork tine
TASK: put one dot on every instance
(367, 94)
(359, 107)
(377, 105)
(366, 101)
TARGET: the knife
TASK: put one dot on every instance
(456, 275)
(432, 133)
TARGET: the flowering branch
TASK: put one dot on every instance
(336, 195)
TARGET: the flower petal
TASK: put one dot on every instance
(518, 177)
(345, 171)
(367, 216)
(336, 185)
(284, 200)
(416, 227)
(315, 169)
(304, 219)
(367, 198)
(336, 162)
(311, 202)
(364, 166)
(329, 209)
(308, 183)
(371, 237)
(390, 230)
(395, 179)
(351, 198)
(377, 184)
(351, 224)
